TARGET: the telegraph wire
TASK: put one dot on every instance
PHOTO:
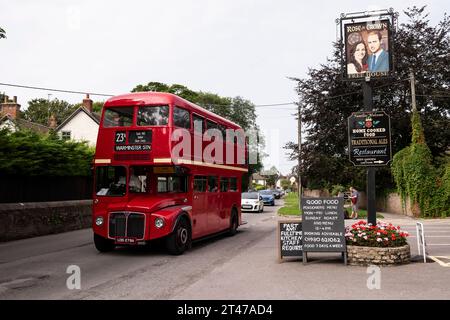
(112, 95)
(55, 90)
(226, 105)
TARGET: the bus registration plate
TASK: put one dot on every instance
(125, 240)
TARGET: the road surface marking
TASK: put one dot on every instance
(431, 236)
(441, 263)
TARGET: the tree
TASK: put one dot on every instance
(97, 106)
(285, 184)
(2, 33)
(327, 102)
(40, 110)
(272, 176)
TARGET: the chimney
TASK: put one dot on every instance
(87, 103)
(52, 124)
(10, 107)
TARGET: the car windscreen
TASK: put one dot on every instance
(247, 195)
(266, 193)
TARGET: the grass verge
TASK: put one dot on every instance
(290, 205)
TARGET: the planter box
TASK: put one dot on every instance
(364, 256)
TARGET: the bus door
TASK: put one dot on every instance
(214, 221)
(199, 207)
(225, 202)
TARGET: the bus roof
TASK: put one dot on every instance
(147, 98)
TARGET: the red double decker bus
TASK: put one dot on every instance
(144, 192)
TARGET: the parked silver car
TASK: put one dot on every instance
(252, 201)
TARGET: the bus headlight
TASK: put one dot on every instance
(99, 221)
(159, 223)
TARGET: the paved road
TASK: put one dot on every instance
(241, 267)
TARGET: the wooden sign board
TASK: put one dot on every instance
(323, 225)
(289, 238)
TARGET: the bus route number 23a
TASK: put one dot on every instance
(121, 137)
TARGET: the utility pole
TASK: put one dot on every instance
(299, 178)
(413, 90)
(49, 111)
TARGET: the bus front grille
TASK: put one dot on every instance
(126, 224)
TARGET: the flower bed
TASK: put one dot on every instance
(382, 244)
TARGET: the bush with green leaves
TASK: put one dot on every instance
(336, 189)
(418, 179)
(26, 153)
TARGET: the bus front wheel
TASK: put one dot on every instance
(102, 244)
(178, 241)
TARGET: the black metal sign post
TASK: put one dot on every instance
(370, 174)
(367, 52)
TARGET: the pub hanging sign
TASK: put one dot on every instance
(369, 139)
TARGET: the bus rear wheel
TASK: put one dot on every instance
(102, 244)
(178, 241)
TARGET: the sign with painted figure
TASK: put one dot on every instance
(369, 139)
(367, 49)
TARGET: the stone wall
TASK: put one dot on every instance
(315, 193)
(25, 220)
(364, 256)
(392, 203)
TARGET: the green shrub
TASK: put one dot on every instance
(28, 153)
(416, 177)
(336, 189)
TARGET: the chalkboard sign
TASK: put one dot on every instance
(323, 225)
(290, 238)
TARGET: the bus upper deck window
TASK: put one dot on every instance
(118, 117)
(199, 126)
(181, 118)
(153, 116)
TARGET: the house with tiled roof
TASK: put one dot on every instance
(82, 124)
(10, 118)
(259, 179)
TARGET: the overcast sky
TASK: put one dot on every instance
(232, 48)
